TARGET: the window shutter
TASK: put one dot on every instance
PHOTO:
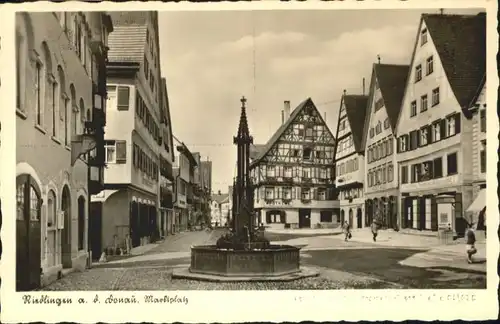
(418, 212)
(434, 216)
(398, 146)
(411, 141)
(443, 128)
(121, 151)
(429, 134)
(123, 98)
(134, 155)
(413, 167)
(457, 123)
(418, 141)
(137, 103)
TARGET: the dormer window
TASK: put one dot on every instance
(423, 37)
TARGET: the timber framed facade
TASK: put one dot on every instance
(292, 174)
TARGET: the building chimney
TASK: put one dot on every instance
(282, 116)
(286, 109)
(363, 86)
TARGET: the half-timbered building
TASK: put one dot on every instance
(349, 159)
(435, 124)
(381, 176)
(292, 173)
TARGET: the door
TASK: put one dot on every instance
(359, 218)
(351, 218)
(304, 218)
(95, 228)
(134, 224)
(66, 231)
(28, 234)
(342, 217)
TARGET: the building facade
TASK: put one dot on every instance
(292, 174)
(476, 212)
(220, 209)
(349, 160)
(167, 158)
(60, 111)
(183, 192)
(128, 207)
(381, 189)
(206, 179)
(435, 126)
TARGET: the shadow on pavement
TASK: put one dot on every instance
(383, 263)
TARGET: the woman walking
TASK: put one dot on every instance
(470, 247)
(347, 231)
(374, 230)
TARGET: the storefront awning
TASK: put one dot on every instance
(479, 203)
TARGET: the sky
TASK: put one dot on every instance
(211, 59)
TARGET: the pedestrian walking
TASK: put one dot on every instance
(470, 247)
(347, 231)
(374, 230)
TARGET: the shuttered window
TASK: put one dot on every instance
(123, 98)
(438, 168)
(121, 152)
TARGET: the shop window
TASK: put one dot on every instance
(326, 216)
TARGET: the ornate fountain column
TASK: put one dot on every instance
(243, 202)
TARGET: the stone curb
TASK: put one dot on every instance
(184, 273)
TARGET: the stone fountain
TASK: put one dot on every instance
(244, 254)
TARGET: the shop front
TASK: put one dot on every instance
(434, 211)
(384, 209)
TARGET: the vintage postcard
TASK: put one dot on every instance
(235, 162)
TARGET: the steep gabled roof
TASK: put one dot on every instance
(260, 151)
(127, 44)
(460, 41)
(255, 150)
(391, 80)
(355, 108)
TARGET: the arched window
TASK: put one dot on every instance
(24, 44)
(81, 114)
(20, 68)
(51, 228)
(51, 209)
(81, 222)
(74, 110)
(43, 76)
(63, 101)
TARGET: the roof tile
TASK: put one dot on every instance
(127, 44)
(356, 106)
(460, 41)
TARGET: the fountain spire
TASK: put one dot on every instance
(243, 198)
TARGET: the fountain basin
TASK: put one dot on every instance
(276, 260)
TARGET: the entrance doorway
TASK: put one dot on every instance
(359, 218)
(351, 218)
(304, 218)
(342, 217)
(95, 229)
(66, 231)
(28, 233)
(134, 224)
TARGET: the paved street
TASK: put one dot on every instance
(343, 265)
